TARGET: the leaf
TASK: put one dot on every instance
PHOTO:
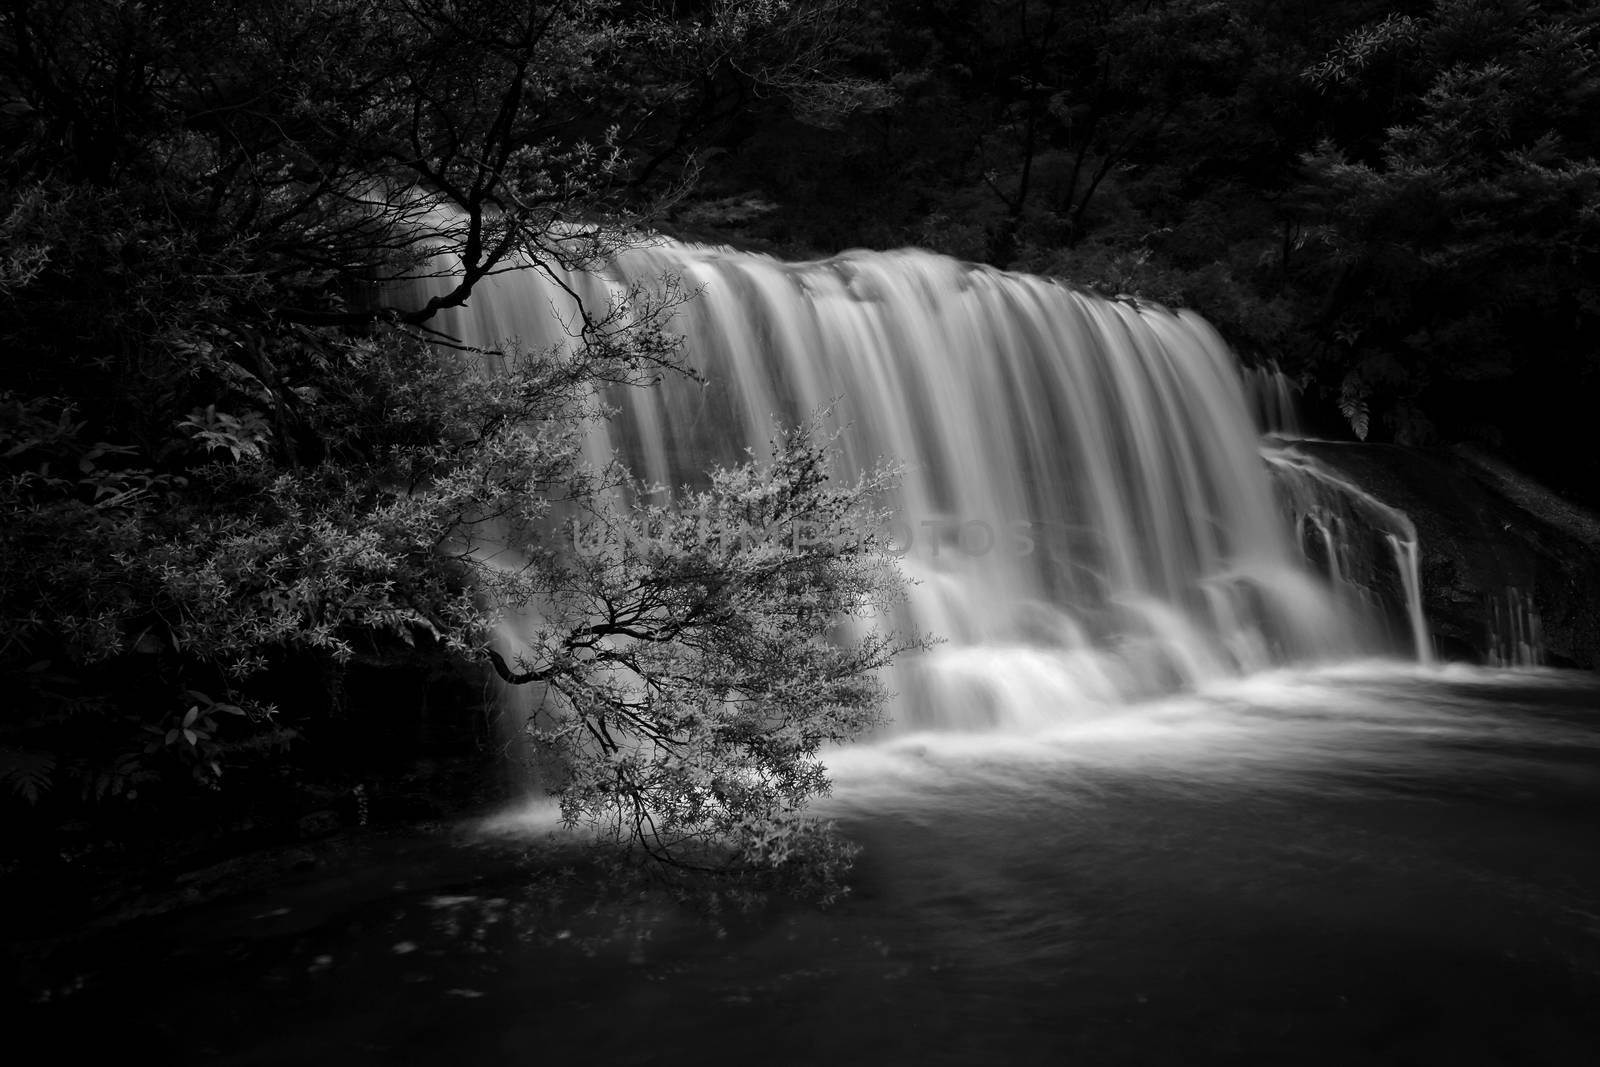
(189, 736)
(1356, 412)
(189, 717)
(27, 772)
(1353, 405)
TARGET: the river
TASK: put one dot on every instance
(1376, 863)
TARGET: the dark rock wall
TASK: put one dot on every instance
(1487, 552)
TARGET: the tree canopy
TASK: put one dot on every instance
(242, 459)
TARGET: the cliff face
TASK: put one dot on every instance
(1497, 552)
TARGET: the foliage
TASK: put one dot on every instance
(1355, 54)
(705, 648)
(239, 458)
(1474, 229)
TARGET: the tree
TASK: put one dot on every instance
(1065, 94)
(238, 451)
(1460, 259)
(699, 646)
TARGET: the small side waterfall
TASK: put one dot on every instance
(1272, 399)
(1407, 553)
(1516, 637)
(1085, 516)
(1368, 550)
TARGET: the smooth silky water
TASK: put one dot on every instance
(1168, 793)
(1372, 863)
(1085, 518)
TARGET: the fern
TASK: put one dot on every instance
(118, 780)
(26, 772)
(1353, 406)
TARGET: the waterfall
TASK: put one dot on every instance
(1368, 551)
(1408, 558)
(1085, 515)
(1272, 399)
(1516, 637)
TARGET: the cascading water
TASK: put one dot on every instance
(1272, 399)
(1085, 514)
(1368, 550)
(1516, 636)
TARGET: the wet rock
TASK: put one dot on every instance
(319, 824)
(1495, 568)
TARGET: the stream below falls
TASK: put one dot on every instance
(1371, 864)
